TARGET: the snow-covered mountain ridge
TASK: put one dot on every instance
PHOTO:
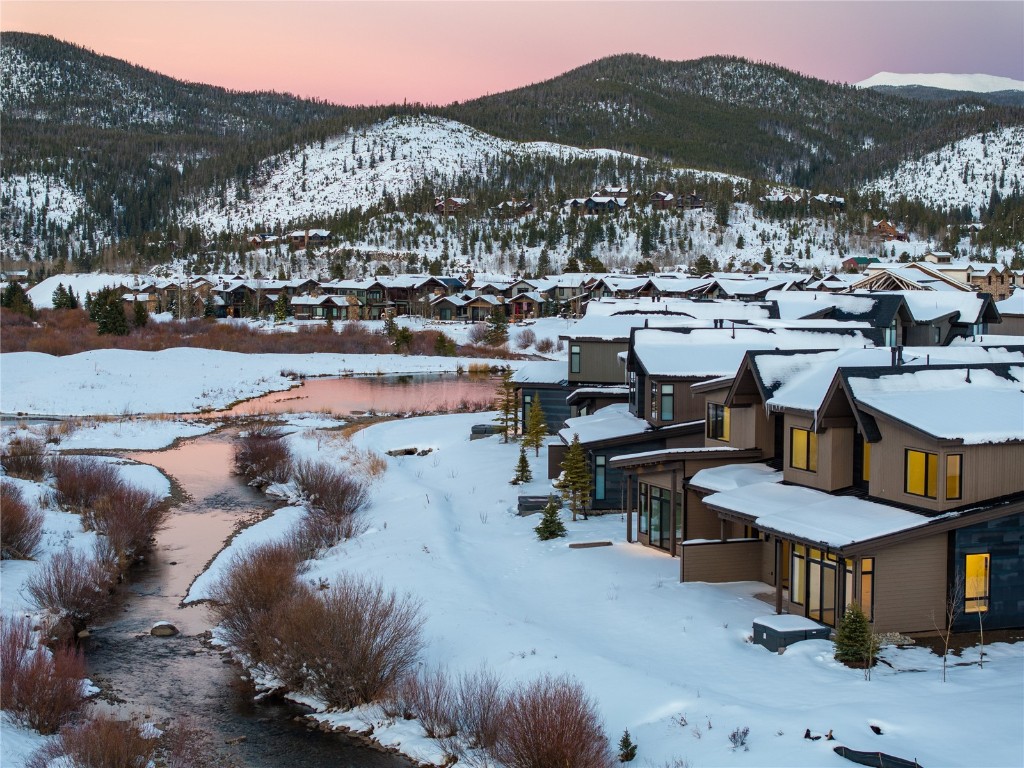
(976, 83)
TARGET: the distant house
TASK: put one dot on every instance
(510, 209)
(448, 205)
(662, 200)
(602, 204)
(938, 257)
(887, 231)
(781, 198)
(303, 238)
(691, 202)
(857, 263)
(831, 201)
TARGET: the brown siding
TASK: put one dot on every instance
(835, 457)
(701, 522)
(768, 562)
(721, 561)
(1012, 325)
(556, 452)
(599, 362)
(989, 471)
(910, 586)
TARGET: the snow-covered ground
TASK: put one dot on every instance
(959, 174)
(671, 662)
(977, 83)
(123, 382)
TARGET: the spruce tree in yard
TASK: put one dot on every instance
(855, 643)
(523, 472)
(497, 328)
(281, 307)
(507, 406)
(551, 525)
(575, 482)
(140, 314)
(536, 427)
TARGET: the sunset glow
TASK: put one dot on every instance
(436, 52)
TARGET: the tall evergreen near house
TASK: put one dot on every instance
(507, 406)
(281, 307)
(140, 315)
(551, 525)
(497, 328)
(536, 427)
(107, 311)
(575, 482)
(15, 299)
(523, 472)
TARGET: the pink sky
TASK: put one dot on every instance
(436, 52)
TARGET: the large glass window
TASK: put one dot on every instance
(954, 476)
(976, 583)
(920, 473)
(574, 358)
(599, 476)
(798, 574)
(803, 449)
(643, 522)
(717, 422)
(867, 587)
(667, 404)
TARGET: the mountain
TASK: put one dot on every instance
(927, 93)
(729, 114)
(945, 81)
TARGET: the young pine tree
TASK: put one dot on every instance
(575, 482)
(281, 307)
(140, 314)
(855, 643)
(497, 328)
(551, 525)
(523, 471)
(507, 406)
(627, 749)
(536, 427)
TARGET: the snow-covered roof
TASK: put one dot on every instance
(541, 372)
(977, 405)
(607, 423)
(729, 477)
(1014, 305)
(929, 305)
(814, 516)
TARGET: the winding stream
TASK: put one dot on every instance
(169, 677)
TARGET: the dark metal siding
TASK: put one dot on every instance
(552, 400)
(1003, 539)
(615, 479)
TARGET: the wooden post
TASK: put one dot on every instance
(672, 517)
(629, 507)
(778, 574)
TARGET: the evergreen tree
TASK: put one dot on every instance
(551, 525)
(281, 307)
(497, 328)
(627, 749)
(15, 299)
(60, 298)
(107, 310)
(507, 406)
(523, 472)
(855, 643)
(536, 427)
(575, 481)
(444, 345)
(141, 314)
(209, 307)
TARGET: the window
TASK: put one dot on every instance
(865, 472)
(803, 449)
(867, 587)
(643, 518)
(976, 583)
(920, 471)
(718, 422)
(667, 404)
(632, 390)
(599, 474)
(954, 476)
(890, 335)
(574, 358)
(797, 574)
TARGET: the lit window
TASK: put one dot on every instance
(921, 470)
(954, 476)
(574, 358)
(803, 449)
(867, 587)
(976, 583)
(718, 418)
(798, 574)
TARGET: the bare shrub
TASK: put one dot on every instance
(21, 526)
(262, 456)
(80, 480)
(41, 689)
(477, 333)
(129, 517)
(551, 721)
(247, 597)
(526, 338)
(185, 744)
(480, 702)
(102, 741)
(360, 642)
(72, 585)
(429, 697)
(545, 345)
(24, 457)
(336, 503)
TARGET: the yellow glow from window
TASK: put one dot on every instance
(954, 476)
(803, 449)
(922, 471)
(812, 451)
(726, 421)
(976, 581)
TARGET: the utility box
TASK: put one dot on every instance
(780, 631)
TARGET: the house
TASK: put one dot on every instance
(833, 202)
(691, 202)
(449, 205)
(325, 307)
(884, 483)
(781, 198)
(938, 257)
(305, 238)
(527, 305)
(857, 263)
(604, 204)
(662, 200)
(885, 230)
(510, 209)
(544, 382)
(1011, 310)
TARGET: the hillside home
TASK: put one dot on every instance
(604, 204)
(449, 205)
(306, 238)
(887, 231)
(662, 201)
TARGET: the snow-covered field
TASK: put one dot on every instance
(671, 662)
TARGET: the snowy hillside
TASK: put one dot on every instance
(47, 197)
(946, 81)
(960, 174)
(358, 169)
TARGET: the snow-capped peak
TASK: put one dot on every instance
(950, 82)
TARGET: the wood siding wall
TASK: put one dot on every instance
(989, 471)
(599, 362)
(910, 585)
(835, 457)
(721, 561)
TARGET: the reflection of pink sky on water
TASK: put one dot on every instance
(197, 530)
(342, 397)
